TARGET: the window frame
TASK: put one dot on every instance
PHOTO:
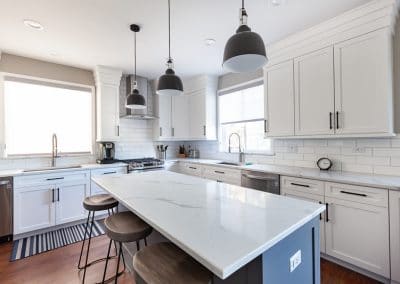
(45, 81)
(235, 88)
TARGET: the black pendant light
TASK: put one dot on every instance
(169, 83)
(135, 100)
(245, 50)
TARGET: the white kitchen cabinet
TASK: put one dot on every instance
(107, 103)
(94, 188)
(279, 100)
(68, 207)
(222, 174)
(309, 190)
(34, 208)
(357, 226)
(191, 116)
(364, 88)
(394, 206)
(163, 125)
(313, 198)
(180, 117)
(191, 169)
(45, 200)
(314, 93)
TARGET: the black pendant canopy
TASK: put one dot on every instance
(135, 100)
(169, 83)
(245, 50)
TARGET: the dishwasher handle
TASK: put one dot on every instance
(259, 177)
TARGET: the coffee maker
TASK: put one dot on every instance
(106, 153)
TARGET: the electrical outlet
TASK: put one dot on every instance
(295, 260)
(359, 150)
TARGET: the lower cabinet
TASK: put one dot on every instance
(355, 225)
(34, 208)
(222, 174)
(394, 206)
(45, 200)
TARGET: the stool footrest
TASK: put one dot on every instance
(96, 261)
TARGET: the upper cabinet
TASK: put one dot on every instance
(363, 85)
(342, 90)
(278, 80)
(191, 116)
(107, 103)
(314, 93)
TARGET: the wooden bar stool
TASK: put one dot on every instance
(164, 263)
(124, 227)
(94, 204)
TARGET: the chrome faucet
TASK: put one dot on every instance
(241, 153)
(54, 150)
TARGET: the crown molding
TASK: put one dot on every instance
(375, 15)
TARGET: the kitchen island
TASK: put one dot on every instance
(241, 235)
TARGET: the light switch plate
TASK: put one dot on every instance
(295, 260)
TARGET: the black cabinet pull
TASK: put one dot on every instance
(204, 130)
(265, 126)
(52, 195)
(327, 212)
(58, 194)
(219, 172)
(299, 184)
(193, 168)
(109, 173)
(337, 120)
(320, 215)
(353, 193)
(55, 178)
(160, 131)
(330, 121)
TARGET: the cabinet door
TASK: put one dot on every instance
(164, 114)
(314, 93)
(197, 115)
(314, 198)
(363, 78)
(33, 208)
(279, 100)
(358, 234)
(180, 117)
(69, 200)
(394, 205)
(108, 112)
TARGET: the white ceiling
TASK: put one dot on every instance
(86, 33)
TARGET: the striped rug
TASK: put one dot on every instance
(36, 244)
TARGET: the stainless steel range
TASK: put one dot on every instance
(143, 164)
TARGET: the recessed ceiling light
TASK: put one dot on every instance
(209, 41)
(33, 24)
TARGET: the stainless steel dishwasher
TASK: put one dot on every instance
(6, 209)
(261, 181)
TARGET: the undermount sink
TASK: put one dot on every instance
(51, 169)
(228, 163)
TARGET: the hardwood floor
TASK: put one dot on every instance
(59, 267)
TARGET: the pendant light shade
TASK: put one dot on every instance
(135, 100)
(169, 83)
(245, 50)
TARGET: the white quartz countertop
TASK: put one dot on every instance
(83, 167)
(222, 226)
(379, 181)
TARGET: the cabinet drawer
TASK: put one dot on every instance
(222, 174)
(360, 194)
(108, 171)
(192, 169)
(50, 178)
(303, 185)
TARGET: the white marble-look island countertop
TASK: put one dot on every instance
(224, 227)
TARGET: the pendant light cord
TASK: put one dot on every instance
(169, 30)
(242, 4)
(135, 56)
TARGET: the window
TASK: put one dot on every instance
(33, 111)
(242, 112)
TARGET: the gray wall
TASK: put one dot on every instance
(37, 68)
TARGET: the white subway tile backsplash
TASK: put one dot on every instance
(387, 152)
(375, 143)
(378, 161)
(382, 170)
